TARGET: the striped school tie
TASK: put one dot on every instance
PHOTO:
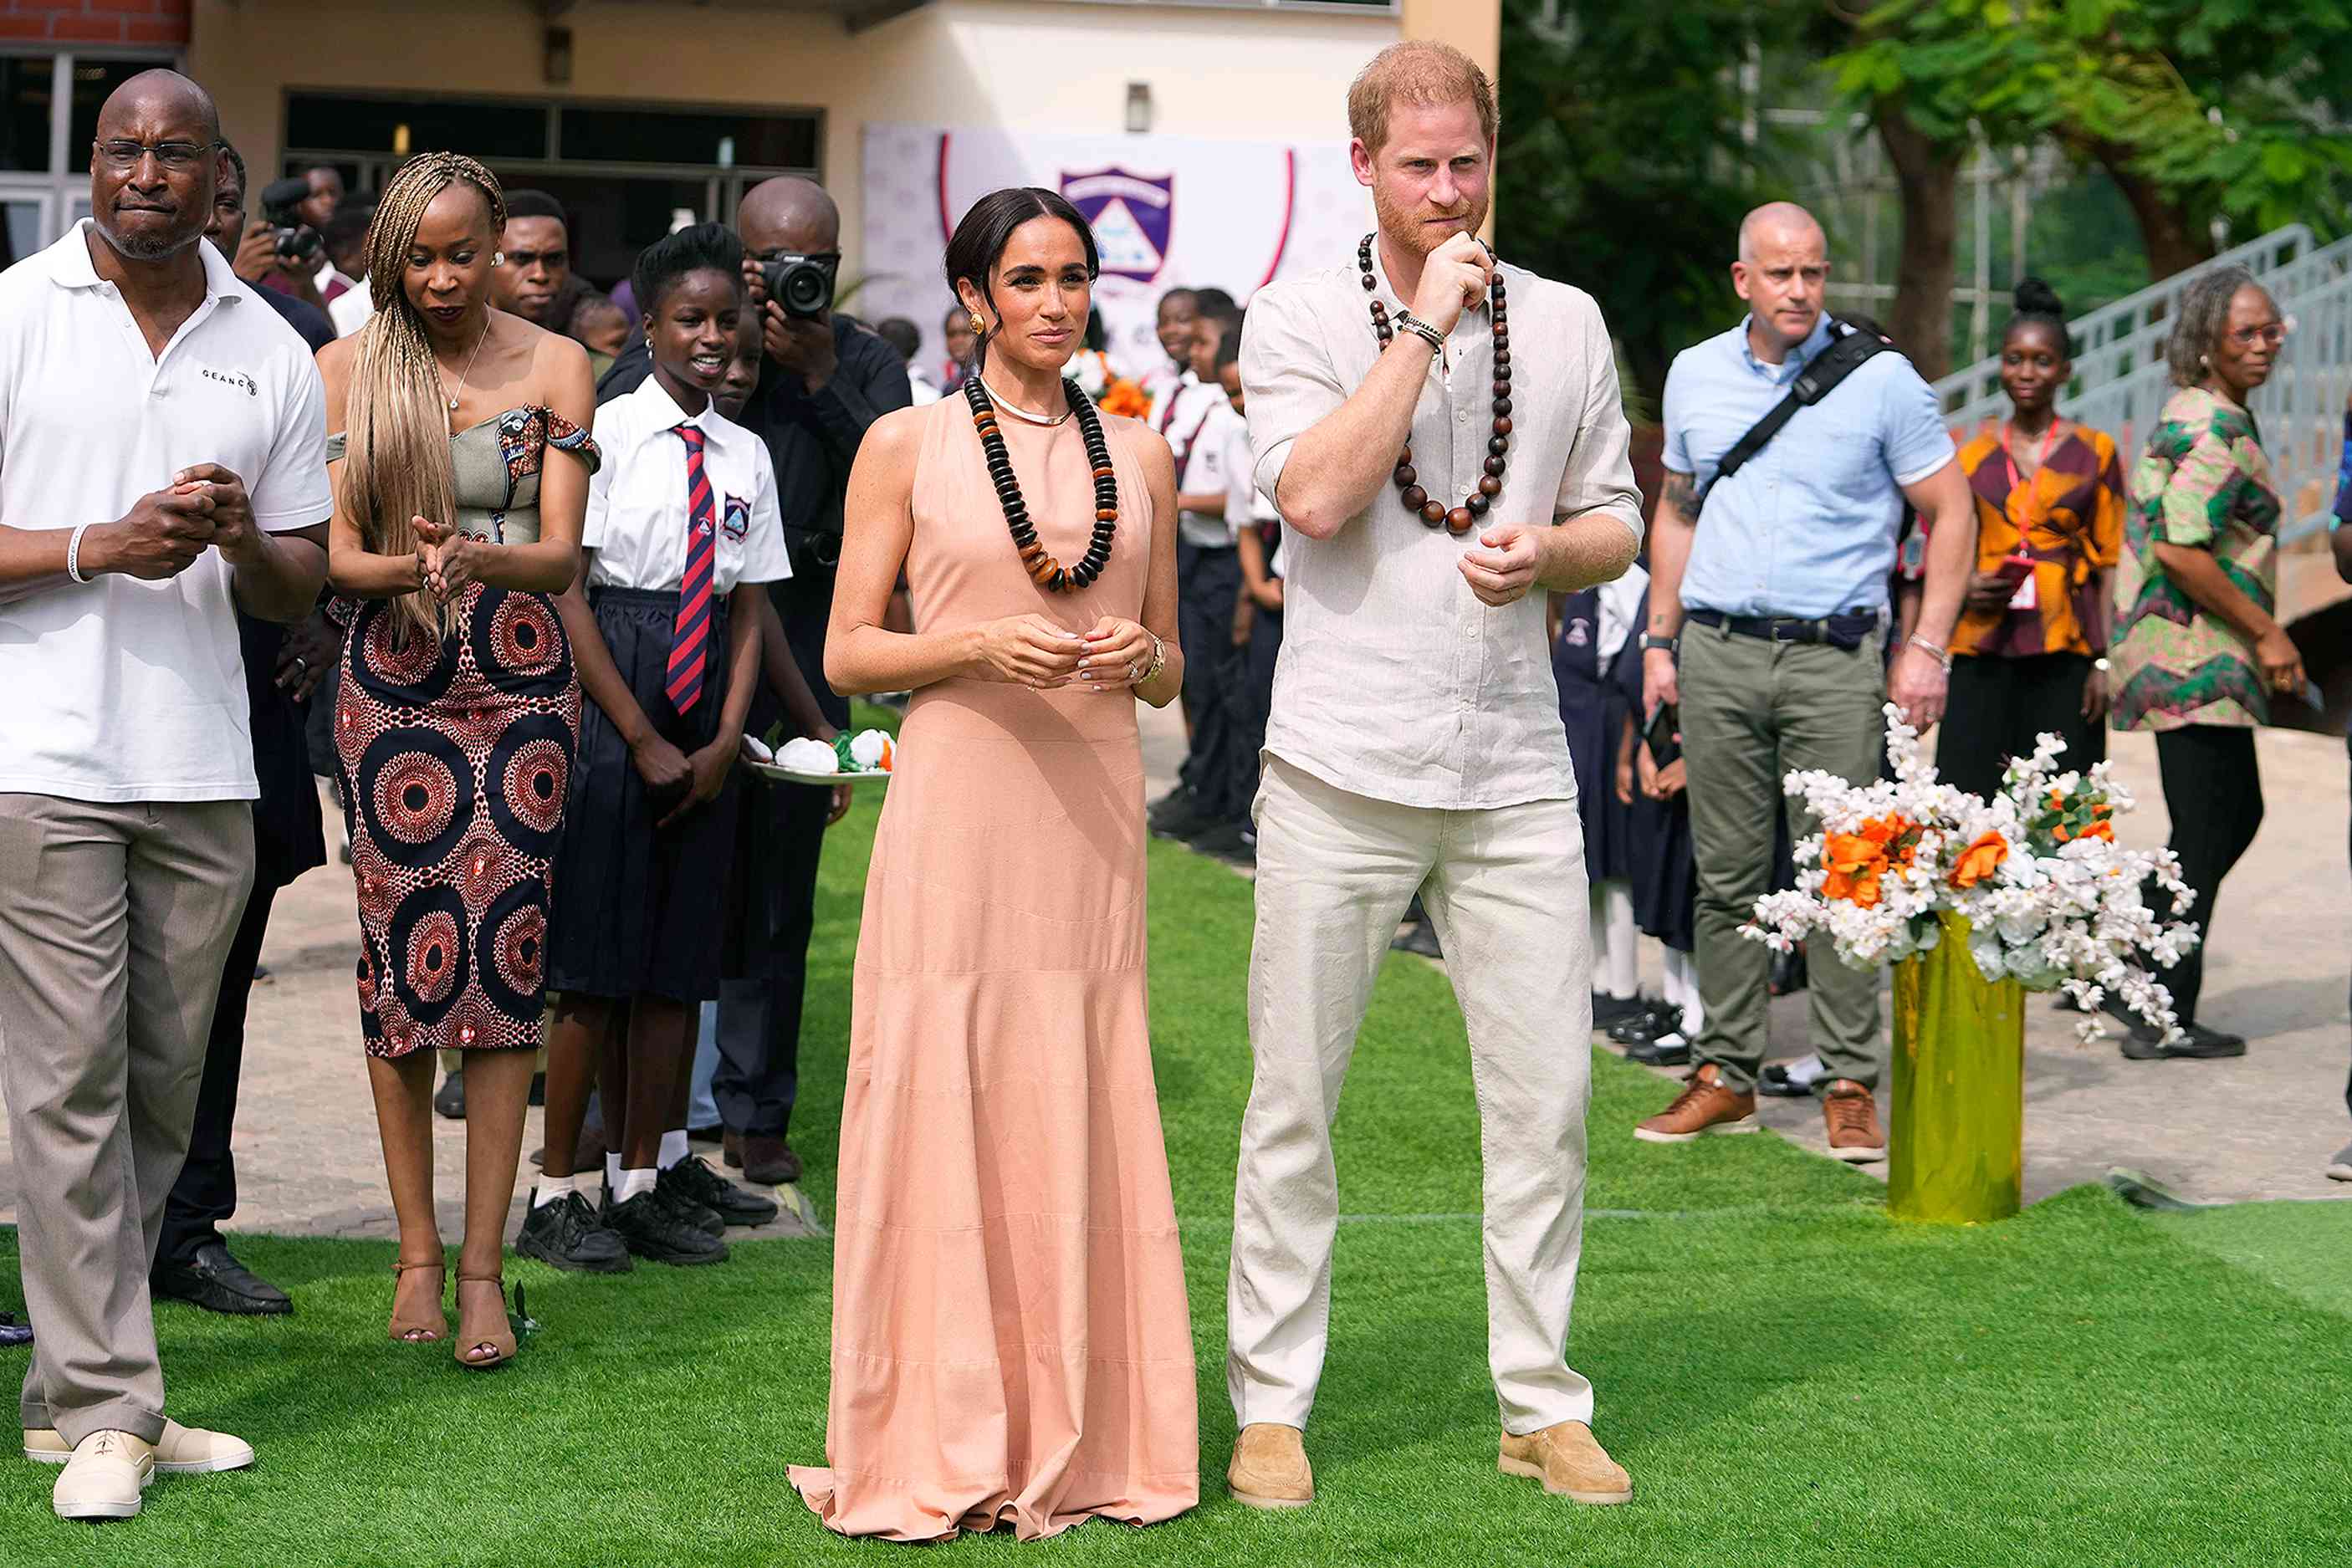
(689, 649)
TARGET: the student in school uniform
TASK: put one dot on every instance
(1663, 873)
(1195, 419)
(682, 529)
(1257, 546)
(1595, 634)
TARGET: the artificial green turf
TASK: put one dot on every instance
(1789, 1376)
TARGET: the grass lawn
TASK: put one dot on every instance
(1789, 1376)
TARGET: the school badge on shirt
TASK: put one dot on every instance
(735, 518)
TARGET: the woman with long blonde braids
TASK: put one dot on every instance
(453, 532)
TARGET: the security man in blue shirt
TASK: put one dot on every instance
(1767, 622)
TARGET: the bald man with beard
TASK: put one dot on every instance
(163, 465)
(823, 380)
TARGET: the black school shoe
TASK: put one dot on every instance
(1228, 843)
(214, 1280)
(449, 1103)
(689, 1211)
(1182, 819)
(697, 1183)
(1657, 1018)
(1608, 1011)
(1668, 1050)
(2200, 1044)
(653, 1230)
(569, 1235)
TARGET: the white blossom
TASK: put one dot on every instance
(2051, 914)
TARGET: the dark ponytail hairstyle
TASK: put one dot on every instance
(980, 240)
(2036, 301)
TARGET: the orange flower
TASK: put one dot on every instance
(1978, 860)
(1855, 861)
(2101, 829)
(1124, 398)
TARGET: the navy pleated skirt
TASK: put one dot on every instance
(638, 909)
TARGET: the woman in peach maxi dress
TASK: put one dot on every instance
(1011, 1339)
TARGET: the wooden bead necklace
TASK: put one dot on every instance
(1434, 513)
(1047, 572)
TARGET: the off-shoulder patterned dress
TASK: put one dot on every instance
(456, 761)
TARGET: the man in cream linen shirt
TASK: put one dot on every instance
(1416, 743)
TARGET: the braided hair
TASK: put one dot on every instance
(396, 463)
(2036, 302)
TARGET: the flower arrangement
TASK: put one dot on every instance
(1112, 392)
(2051, 899)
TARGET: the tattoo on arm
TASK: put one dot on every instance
(1682, 494)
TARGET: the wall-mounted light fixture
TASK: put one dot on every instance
(1139, 107)
(555, 57)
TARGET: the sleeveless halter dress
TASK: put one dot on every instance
(455, 760)
(1011, 1339)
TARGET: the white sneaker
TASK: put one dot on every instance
(183, 1451)
(103, 1477)
(2340, 1167)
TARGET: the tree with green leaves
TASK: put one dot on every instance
(1629, 155)
(2204, 112)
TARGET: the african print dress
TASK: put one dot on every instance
(456, 761)
(2067, 518)
(2205, 482)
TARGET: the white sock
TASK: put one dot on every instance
(672, 1148)
(1615, 963)
(633, 1183)
(613, 1173)
(1682, 992)
(553, 1190)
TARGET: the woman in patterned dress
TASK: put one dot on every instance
(2199, 655)
(459, 710)
(2030, 651)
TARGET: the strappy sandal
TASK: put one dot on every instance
(502, 1345)
(418, 1331)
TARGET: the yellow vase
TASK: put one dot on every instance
(1956, 1151)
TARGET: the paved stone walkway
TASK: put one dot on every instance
(2263, 1127)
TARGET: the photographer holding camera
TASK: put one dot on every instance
(825, 377)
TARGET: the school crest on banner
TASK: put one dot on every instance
(1132, 216)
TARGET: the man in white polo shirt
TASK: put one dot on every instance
(162, 463)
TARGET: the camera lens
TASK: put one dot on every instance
(805, 290)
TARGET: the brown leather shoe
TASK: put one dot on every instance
(1851, 1115)
(767, 1160)
(1569, 1462)
(1270, 1468)
(1707, 1104)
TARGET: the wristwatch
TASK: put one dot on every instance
(1671, 644)
(1406, 321)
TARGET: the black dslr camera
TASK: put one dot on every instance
(802, 285)
(298, 242)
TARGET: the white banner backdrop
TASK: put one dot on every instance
(1167, 211)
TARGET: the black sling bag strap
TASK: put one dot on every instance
(1844, 355)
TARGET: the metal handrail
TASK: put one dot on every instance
(2104, 334)
(2121, 381)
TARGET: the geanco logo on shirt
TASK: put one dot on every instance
(236, 379)
(736, 517)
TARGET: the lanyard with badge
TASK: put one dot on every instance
(2019, 566)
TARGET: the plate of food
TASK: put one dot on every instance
(864, 757)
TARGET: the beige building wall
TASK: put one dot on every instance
(1035, 65)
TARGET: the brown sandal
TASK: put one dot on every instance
(500, 1345)
(418, 1331)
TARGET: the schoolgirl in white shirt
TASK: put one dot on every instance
(682, 529)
